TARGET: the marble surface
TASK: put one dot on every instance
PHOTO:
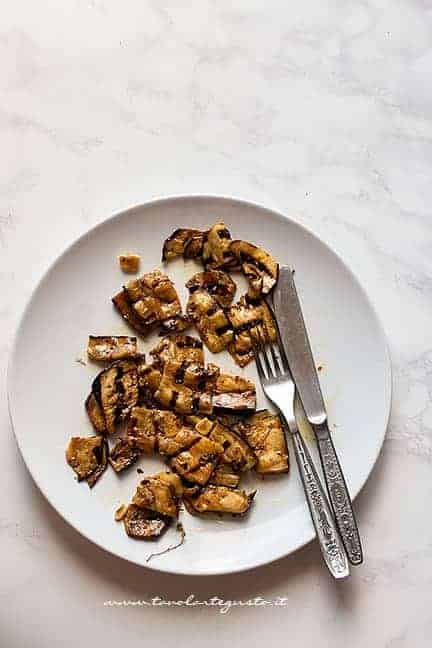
(320, 109)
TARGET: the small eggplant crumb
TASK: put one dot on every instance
(120, 513)
(129, 263)
(179, 529)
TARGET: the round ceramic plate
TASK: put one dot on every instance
(47, 385)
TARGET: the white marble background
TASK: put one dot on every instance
(321, 109)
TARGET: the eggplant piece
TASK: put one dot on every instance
(141, 430)
(197, 463)
(259, 267)
(129, 263)
(95, 414)
(153, 297)
(143, 524)
(182, 348)
(265, 435)
(234, 393)
(160, 493)
(107, 348)
(176, 324)
(172, 436)
(182, 388)
(116, 390)
(216, 252)
(201, 424)
(211, 322)
(124, 454)
(183, 242)
(236, 452)
(121, 303)
(87, 457)
(220, 499)
(224, 475)
(246, 315)
(149, 377)
(216, 283)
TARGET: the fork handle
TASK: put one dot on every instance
(329, 539)
(339, 496)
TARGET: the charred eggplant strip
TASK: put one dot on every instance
(244, 316)
(234, 393)
(116, 390)
(220, 499)
(257, 265)
(95, 414)
(183, 242)
(124, 454)
(265, 435)
(210, 320)
(224, 475)
(107, 348)
(216, 283)
(129, 314)
(160, 493)
(182, 388)
(87, 456)
(143, 524)
(236, 451)
(197, 463)
(216, 253)
(182, 348)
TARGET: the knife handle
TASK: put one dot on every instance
(339, 496)
(330, 542)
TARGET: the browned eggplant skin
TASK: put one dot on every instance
(87, 457)
(183, 242)
(95, 414)
(116, 390)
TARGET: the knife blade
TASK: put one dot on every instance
(295, 341)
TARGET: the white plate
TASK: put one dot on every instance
(47, 387)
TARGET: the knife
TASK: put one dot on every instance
(295, 341)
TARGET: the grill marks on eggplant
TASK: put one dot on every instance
(210, 320)
(150, 300)
(258, 266)
(217, 283)
(124, 454)
(187, 243)
(116, 391)
(264, 433)
(245, 316)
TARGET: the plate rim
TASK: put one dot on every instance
(160, 200)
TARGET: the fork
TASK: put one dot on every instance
(279, 388)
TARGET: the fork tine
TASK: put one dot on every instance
(284, 361)
(275, 361)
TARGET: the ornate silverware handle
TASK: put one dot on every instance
(329, 539)
(339, 496)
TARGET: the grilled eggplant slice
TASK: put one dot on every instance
(210, 320)
(107, 348)
(172, 435)
(129, 263)
(160, 493)
(187, 243)
(236, 452)
(182, 348)
(129, 314)
(124, 454)
(234, 393)
(87, 457)
(153, 297)
(116, 390)
(141, 430)
(216, 283)
(257, 265)
(220, 499)
(265, 435)
(216, 252)
(182, 388)
(224, 475)
(176, 324)
(246, 315)
(143, 524)
(197, 463)
(95, 414)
